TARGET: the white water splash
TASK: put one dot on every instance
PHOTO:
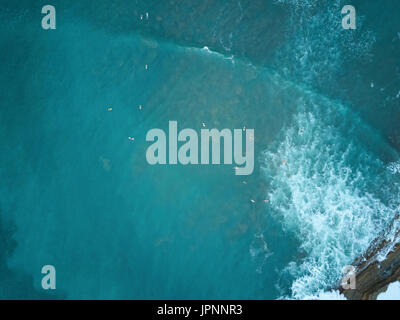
(330, 190)
(392, 292)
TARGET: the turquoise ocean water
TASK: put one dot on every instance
(77, 193)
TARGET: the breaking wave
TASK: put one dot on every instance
(328, 186)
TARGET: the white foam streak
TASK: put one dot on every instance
(329, 190)
(392, 292)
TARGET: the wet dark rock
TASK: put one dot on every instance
(373, 276)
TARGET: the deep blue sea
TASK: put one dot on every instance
(76, 191)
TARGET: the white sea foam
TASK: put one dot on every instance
(327, 295)
(259, 251)
(329, 189)
(394, 167)
(208, 51)
(326, 183)
(392, 292)
(317, 45)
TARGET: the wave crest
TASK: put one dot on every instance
(329, 188)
